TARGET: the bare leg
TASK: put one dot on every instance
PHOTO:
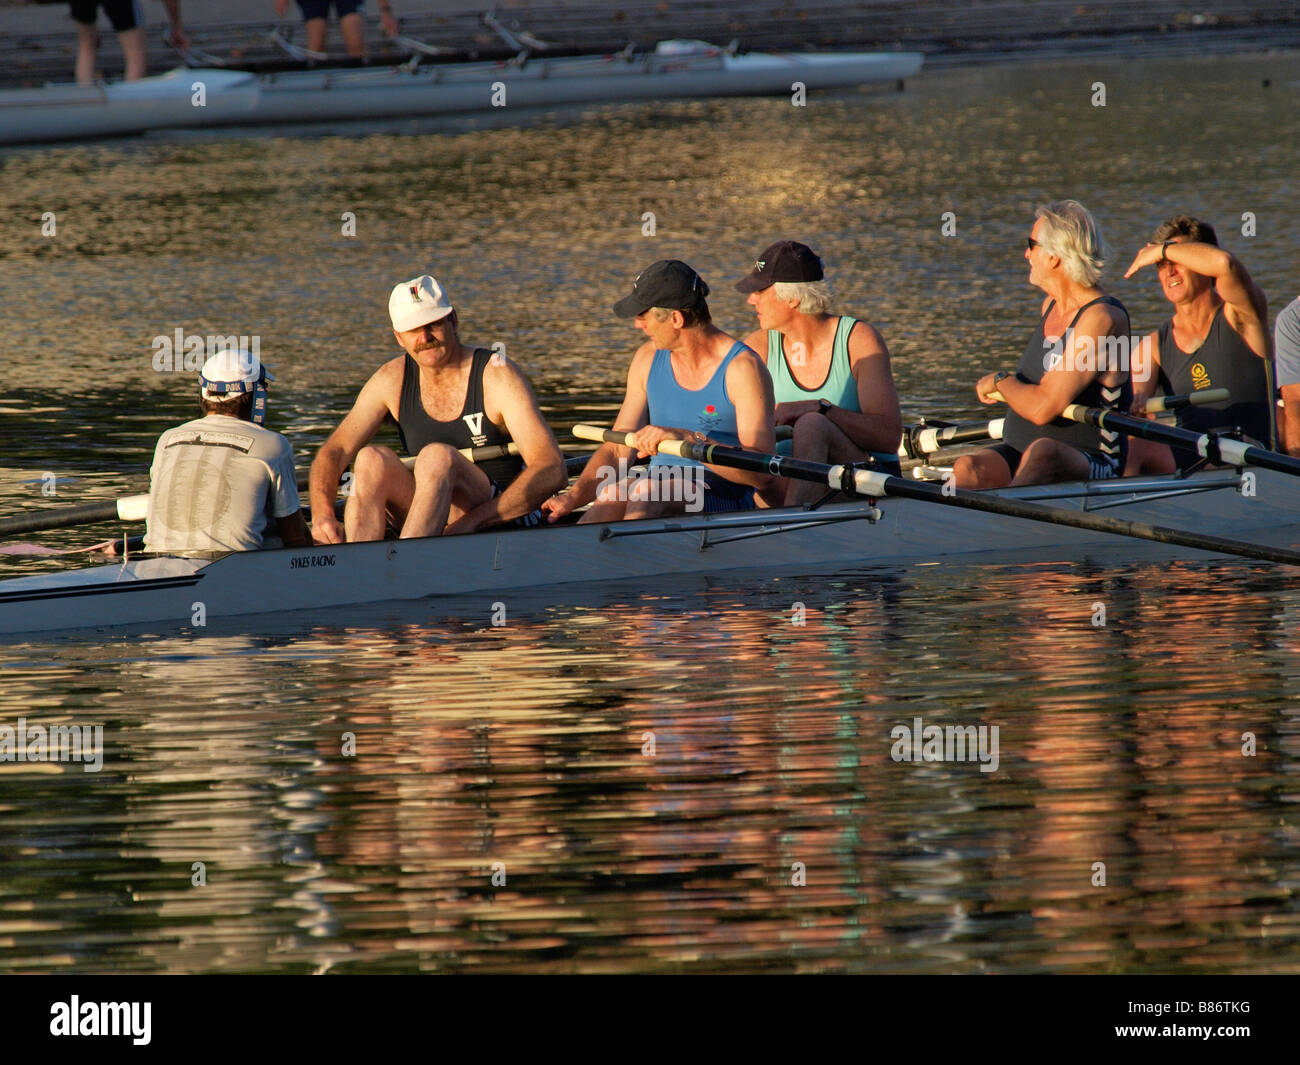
(1048, 461)
(1148, 457)
(443, 478)
(87, 43)
(980, 471)
(353, 34)
(818, 439)
(380, 485)
(316, 31)
(134, 50)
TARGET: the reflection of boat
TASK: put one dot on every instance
(169, 591)
(186, 98)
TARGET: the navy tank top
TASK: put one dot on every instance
(1020, 432)
(1223, 360)
(471, 429)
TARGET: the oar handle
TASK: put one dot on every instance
(1159, 404)
(680, 448)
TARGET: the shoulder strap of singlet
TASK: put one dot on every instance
(474, 393)
(1100, 299)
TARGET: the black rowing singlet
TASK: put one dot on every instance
(1020, 432)
(471, 429)
(1223, 360)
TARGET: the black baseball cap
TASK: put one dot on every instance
(786, 260)
(668, 283)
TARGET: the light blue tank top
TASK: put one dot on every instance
(708, 410)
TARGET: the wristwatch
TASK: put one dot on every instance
(1001, 376)
(1164, 251)
(824, 407)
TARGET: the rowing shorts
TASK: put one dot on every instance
(321, 8)
(721, 495)
(123, 14)
(1101, 467)
(526, 521)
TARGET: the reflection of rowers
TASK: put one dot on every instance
(443, 396)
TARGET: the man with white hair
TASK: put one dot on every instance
(223, 482)
(830, 373)
(1067, 360)
(444, 396)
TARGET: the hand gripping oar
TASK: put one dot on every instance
(1218, 449)
(136, 508)
(873, 485)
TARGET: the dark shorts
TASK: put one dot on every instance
(121, 13)
(721, 495)
(1101, 467)
(321, 8)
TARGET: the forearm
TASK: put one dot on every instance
(1203, 259)
(605, 457)
(323, 484)
(522, 496)
(870, 432)
(1291, 418)
(173, 9)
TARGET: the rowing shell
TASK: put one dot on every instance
(170, 593)
(188, 98)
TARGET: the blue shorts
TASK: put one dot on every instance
(1101, 467)
(721, 495)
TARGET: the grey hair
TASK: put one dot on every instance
(692, 316)
(1071, 233)
(814, 296)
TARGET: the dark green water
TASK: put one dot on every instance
(524, 745)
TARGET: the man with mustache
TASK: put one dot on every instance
(444, 396)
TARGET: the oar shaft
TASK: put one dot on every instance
(874, 484)
(1232, 452)
(85, 514)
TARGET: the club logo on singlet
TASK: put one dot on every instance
(475, 424)
(1200, 376)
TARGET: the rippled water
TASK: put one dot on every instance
(647, 770)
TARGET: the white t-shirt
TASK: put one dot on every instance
(215, 484)
(1286, 344)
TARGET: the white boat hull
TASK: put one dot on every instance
(171, 592)
(191, 98)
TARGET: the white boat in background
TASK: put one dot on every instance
(187, 97)
(169, 592)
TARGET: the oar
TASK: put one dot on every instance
(873, 484)
(1217, 449)
(922, 440)
(136, 508)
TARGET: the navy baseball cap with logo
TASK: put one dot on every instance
(669, 283)
(786, 260)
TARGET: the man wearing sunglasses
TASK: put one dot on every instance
(1068, 359)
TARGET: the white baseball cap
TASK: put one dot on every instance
(231, 372)
(418, 302)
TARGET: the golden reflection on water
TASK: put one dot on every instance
(526, 745)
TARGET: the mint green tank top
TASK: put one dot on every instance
(838, 388)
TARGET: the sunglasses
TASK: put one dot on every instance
(1031, 244)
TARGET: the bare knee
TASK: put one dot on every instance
(369, 470)
(435, 461)
(810, 431)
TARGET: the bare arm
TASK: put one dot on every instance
(1145, 365)
(633, 415)
(1246, 306)
(173, 9)
(750, 387)
(879, 426)
(377, 401)
(1060, 385)
(509, 400)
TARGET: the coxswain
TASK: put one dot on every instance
(224, 482)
